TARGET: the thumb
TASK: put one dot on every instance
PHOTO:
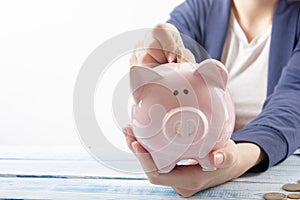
(225, 156)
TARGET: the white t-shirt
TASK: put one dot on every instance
(247, 64)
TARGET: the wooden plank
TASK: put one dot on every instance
(41, 188)
(286, 171)
(84, 168)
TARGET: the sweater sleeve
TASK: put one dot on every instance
(277, 129)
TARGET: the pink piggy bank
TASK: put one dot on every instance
(181, 111)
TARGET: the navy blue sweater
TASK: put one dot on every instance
(277, 128)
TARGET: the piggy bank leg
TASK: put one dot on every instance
(206, 164)
(163, 162)
(166, 169)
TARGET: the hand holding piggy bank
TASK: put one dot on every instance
(181, 111)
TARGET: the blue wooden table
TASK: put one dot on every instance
(71, 173)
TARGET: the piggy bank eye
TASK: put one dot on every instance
(185, 91)
(175, 93)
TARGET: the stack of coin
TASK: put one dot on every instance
(293, 196)
(290, 187)
(274, 196)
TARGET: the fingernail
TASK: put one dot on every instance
(134, 147)
(171, 57)
(218, 158)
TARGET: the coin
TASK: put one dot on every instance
(291, 187)
(177, 54)
(294, 196)
(274, 196)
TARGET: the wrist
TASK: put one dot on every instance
(249, 155)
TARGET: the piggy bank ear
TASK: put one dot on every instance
(140, 76)
(214, 72)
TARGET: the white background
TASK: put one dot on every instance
(42, 47)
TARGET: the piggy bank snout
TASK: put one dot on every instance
(185, 125)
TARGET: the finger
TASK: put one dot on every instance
(166, 38)
(155, 50)
(170, 42)
(145, 159)
(225, 156)
(129, 137)
(188, 56)
(140, 57)
(133, 59)
(145, 59)
(127, 130)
